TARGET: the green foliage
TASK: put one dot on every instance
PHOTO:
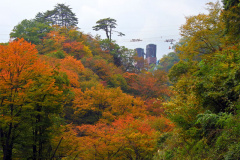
(231, 18)
(86, 116)
(205, 107)
(230, 3)
(126, 58)
(234, 152)
(31, 30)
(58, 54)
(218, 81)
(88, 79)
(178, 70)
(117, 80)
(167, 61)
(215, 136)
(211, 124)
(122, 56)
(4, 44)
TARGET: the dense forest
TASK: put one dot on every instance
(69, 95)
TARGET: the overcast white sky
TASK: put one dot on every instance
(153, 21)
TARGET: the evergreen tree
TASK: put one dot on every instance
(107, 24)
(61, 15)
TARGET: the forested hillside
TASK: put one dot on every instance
(69, 95)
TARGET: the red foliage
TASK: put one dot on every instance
(74, 48)
(154, 106)
(148, 85)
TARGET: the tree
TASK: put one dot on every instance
(117, 80)
(232, 17)
(138, 136)
(167, 61)
(99, 103)
(61, 15)
(230, 3)
(107, 24)
(100, 67)
(72, 68)
(61, 41)
(77, 49)
(126, 58)
(201, 35)
(125, 138)
(29, 97)
(205, 106)
(149, 85)
(122, 57)
(31, 30)
(52, 42)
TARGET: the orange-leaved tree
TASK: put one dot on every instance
(125, 138)
(148, 85)
(105, 104)
(28, 95)
(72, 68)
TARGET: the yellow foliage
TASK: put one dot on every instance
(88, 52)
(202, 34)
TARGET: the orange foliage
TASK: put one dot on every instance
(108, 104)
(74, 48)
(68, 65)
(53, 41)
(72, 68)
(126, 137)
(29, 95)
(100, 66)
(62, 39)
(77, 49)
(19, 63)
(71, 47)
(130, 77)
(71, 63)
(148, 85)
(154, 106)
(68, 142)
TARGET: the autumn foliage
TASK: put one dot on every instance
(29, 95)
(125, 138)
(70, 96)
(72, 68)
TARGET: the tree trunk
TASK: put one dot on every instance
(7, 143)
(34, 145)
(110, 34)
(7, 152)
(107, 34)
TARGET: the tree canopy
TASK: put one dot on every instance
(31, 30)
(107, 25)
(30, 96)
(61, 15)
(232, 18)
